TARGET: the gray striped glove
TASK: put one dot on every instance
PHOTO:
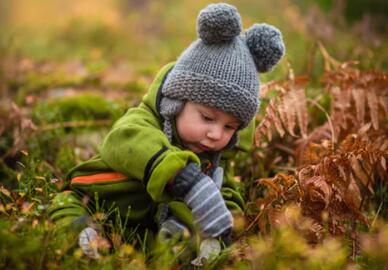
(203, 197)
(218, 177)
(172, 228)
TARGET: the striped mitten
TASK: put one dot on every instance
(203, 197)
(173, 229)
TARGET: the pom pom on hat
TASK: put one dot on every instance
(265, 44)
(218, 23)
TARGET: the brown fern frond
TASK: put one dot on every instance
(317, 194)
(288, 112)
(357, 97)
(299, 98)
(285, 112)
(373, 107)
(384, 104)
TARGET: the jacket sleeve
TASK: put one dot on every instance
(67, 211)
(137, 147)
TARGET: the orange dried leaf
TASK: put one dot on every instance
(288, 180)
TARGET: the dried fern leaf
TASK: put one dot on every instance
(287, 113)
(272, 115)
(384, 104)
(317, 194)
(359, 100)
(373, 108)
(268, 182)
(383, 163)
(300, 104)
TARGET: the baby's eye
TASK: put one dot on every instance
(206, 118)
(230, 127)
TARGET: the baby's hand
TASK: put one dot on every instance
(88, 242)
(203, 197)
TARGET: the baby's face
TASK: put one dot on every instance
(202, 128)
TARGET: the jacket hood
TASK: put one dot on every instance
(153, 96)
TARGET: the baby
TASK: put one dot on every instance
(164, 165)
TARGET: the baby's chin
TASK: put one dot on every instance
(199, 148)
(196, 149)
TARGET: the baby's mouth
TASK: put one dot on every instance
(204, 147)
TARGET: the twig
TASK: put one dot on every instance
(258, 216)
(328, 119)
(284, 148)
(254, 221)
(328, 59)
(378, 212)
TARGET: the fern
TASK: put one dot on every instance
(337, 165)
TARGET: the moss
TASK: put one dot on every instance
(36, 82)
(86, 106)
(65, 159)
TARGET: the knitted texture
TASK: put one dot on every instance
(208, 207)
(218, 69)
(202, 194)
(266, 45)
(218, 22)
(186, 179)
(218, 176)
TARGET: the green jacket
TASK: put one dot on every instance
(139, 151)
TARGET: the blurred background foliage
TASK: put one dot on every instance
(149, 33)
(122, 43)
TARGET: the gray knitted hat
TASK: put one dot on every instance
(220, 68)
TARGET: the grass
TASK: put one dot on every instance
(73, 77)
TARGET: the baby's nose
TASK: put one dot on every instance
(215, 133)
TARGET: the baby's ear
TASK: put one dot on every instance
(266, 45)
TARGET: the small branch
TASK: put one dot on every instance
(254, 221)
(258, 216)
(328, 119)
(328, 59)
(378, 212)
(284, 148)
